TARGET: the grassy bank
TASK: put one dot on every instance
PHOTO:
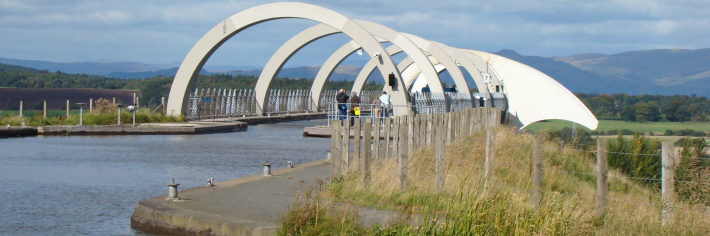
(606, 125)
(90, 118)
(465, 207)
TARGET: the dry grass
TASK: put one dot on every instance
(465, 207)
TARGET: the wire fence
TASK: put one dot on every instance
(411, 133)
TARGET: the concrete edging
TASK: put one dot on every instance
(160, 215)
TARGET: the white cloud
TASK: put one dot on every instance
(160, 31)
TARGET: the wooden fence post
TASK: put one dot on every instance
(395, 137)
(356, 141)
(602, 179)
(402, 151)
(388, 136)
(440, 150)
(22, 108)
(668, 183)
(67, 108)
(537, 174)
(44, 113)
(490, 160)
(429, 129)
(345, 148)
(335, 150)
(449, 129)
(91, 105)
(411, 142)
(413, 131)
(365, 158)
(376, 148)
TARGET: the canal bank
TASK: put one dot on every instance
(250, 205)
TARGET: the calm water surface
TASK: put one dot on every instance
(89, 185)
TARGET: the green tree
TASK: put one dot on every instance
(646, 112)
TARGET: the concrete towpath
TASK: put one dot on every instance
(251, 205)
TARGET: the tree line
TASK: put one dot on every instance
(641, 108)
(645, 108)
(152, 89)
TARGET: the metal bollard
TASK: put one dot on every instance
(328, 155)
(172, 190)
(267, 169)
(290, 164)
(23, 122)
(210, 182)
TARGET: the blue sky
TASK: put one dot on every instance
(163, 31)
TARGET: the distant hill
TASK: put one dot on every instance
(95, 68)
(148, 74)
(663, 71)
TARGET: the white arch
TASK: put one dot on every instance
(286, 51)
(209, 43)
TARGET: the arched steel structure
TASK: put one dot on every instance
(309, 35)
(209, 43)
(531, 95)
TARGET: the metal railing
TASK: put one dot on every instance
(216, 103)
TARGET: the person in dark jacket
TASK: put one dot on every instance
(354, 103)
(342, 99)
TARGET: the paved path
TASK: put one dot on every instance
(251, 205)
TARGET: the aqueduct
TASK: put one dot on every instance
(529, 95)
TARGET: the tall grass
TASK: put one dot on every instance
(464, 207)
(90, 118)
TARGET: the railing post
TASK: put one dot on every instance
(668, 183)
(367, 143)
(22, 108)
(537, 172)
(602, 178)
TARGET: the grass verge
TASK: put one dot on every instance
(465, 207)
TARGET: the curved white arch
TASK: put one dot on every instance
(204, 48)
(534, 96)
(285, 52)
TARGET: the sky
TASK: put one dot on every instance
(162, 32)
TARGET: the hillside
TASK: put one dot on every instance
(664, 71)
(575, 79)
(95, 68)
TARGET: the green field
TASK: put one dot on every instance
(606, 125)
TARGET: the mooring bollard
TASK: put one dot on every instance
(328, 155)
(267, 169)
(290, 164)
(23, 122)
(210, 182)
(172, 190)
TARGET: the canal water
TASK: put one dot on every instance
(89, 185)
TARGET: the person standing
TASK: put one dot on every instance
(385, 99)
(342, 99)
(377, 107)
(354, 107)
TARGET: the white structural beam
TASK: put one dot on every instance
(533, 96)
